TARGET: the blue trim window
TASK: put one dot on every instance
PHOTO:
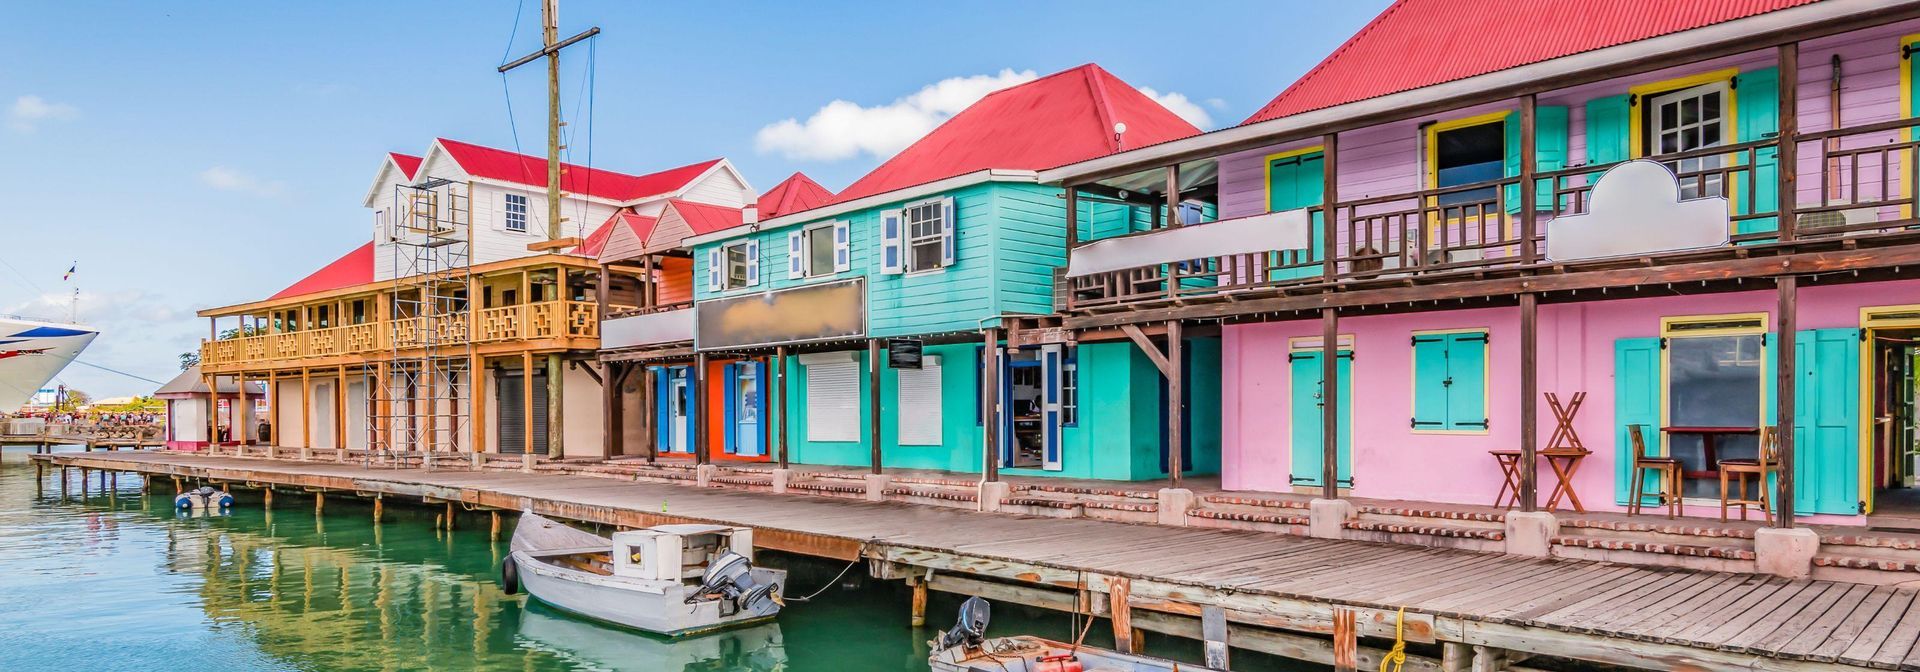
(1070, 388)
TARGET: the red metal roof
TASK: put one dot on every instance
(356, 268)
(406, 163)
(500, 164)
(705, 218)
(1059, 119)
(1418, 43)
(596, 242)
(797, 192)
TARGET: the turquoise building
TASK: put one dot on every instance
(950, 238)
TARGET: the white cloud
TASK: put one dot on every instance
(228, 179)
(1217, 103)
(1178, 104)
(843, 129)
(29, 111)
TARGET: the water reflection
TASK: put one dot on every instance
(757, 648)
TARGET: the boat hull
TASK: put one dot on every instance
(32, 353)
(642, 605)
(1024, 654)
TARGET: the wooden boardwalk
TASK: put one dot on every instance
(1649, 618)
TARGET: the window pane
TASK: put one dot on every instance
(1468, 155)
(820, 251)
(1714, 381)
(1689, 111)
(926, 255)
(1710, 106)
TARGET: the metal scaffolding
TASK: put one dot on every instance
(419, 402)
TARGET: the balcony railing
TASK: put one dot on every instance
(525, 322)
(1853, 181)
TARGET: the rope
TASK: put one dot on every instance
(1398, 655)
(836, 578)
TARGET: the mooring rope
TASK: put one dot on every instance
(857, 557)
(1398, 655)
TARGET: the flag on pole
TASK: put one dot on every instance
(70, 270)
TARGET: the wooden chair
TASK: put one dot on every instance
(1666, 468)
(1763, 467)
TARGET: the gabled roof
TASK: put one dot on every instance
(704, 218)
(797, 192)
(1419, 43)
(506, 166)
(1059, 119)
(356, 268)
(191, 382)
(631, 227)
(408, 164)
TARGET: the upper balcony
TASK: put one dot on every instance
(1374, 205)
(558, 323)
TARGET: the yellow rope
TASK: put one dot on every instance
(1398, 656)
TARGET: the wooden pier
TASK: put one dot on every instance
(1278, 594)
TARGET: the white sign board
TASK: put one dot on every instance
(1273, 231)
(1635, 209)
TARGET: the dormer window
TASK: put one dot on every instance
(516, 212)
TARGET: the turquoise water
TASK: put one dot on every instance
(118, 581)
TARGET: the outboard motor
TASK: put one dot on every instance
(971, 630)
(731, 575)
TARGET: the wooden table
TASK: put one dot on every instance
(1565, 463)
(1709, 451)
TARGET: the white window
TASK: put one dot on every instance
(1686, 120)
(926, 244)
(820, 251)
(919, 404)
(516, 212)
(833, 397)
(737, 265)
(816, 251)
(1070, 388)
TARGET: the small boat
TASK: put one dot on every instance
(203, 498)
(966, 648)
(592, 645)
(672, 580)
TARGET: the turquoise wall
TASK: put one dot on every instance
(1117, 436)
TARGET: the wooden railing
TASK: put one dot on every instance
(1853, 181)
(525, 322)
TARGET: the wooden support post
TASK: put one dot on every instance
(526, 407)
(650, 420)
(1787, 322)
(306, 413)
(378, 504)
(700, 408)
(340, 410)
(266, 498)
(780, 403)
(611, 421)
(1213, 635)
(556, 396)
(493, 533)
(1786, 156)
(213, 415)
(990, 392)
(85, 483)
(1173, 195)
(1528, 166)
(874, 353)
(1073, 218)
(477, 403)
(1118, 590)
(319, 503)
(239, 413)
(1330, 194)
(1329, 402)
(919, 600)
(273, 413)
(1529, 399)
(1176, 402)
(449, 515)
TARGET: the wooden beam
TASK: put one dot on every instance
(526, 402)
(611, 409)
(780, 403)
(650, 420)
(1329, 404)
(340, 410)
(874, 354)
(990, 402)
(1330, 195)
(701, 408)
(1529, 401)
(1146, 346)
(477, 400)
(1118, 589)
(306, 412)
(1789, 122)
(1529, 252)
(554, 245)
(1176, 402)
(1786, 324)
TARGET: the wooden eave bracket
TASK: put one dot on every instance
(1146, 345)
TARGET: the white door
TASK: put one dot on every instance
(1690, 119)
(677, 440)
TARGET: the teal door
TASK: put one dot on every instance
(1826, 421)
(1298, 182)
(1308, 395)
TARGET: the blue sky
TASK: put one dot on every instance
(189, 155)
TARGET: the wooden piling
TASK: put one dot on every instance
(266, 498)
(494, 533)
(919, 600)
(377, 503)
(449, 515)
(1122, 614)
(319, 503)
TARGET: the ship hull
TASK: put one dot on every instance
(32, 353)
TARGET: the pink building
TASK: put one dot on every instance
(1439, 210)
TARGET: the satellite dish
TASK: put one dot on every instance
(1119, 127)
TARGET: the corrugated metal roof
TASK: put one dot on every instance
(1418, 43)
(1052, 121)
(637, 224)
(500, 164)
(797, 192)
(355, 268)
(407, 163)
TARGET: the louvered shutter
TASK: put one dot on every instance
(716, 265)
(1609, 121)
(833, 401)
(842, 247)
(948, 225)
(796, 255)
(890, 243)
(919, 413)
(753, 263)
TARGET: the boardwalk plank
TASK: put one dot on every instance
(1841, 637)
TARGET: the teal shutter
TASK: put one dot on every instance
(1636, 400)
(1609, 124)
(1758, 96)
(1429, 382)
(1467, 375)
(1826, 434)
(1306, 451)
(1549, 151)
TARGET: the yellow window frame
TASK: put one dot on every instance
(1266, 170)
(1673, 327)
(1431, 167)
(1873, 318)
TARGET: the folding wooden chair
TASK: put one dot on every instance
(1666, 468)
(1763, 467)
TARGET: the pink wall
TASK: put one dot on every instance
(1390, 461)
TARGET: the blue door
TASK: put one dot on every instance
(676, 412)
(746, 406)
(1308, 400)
